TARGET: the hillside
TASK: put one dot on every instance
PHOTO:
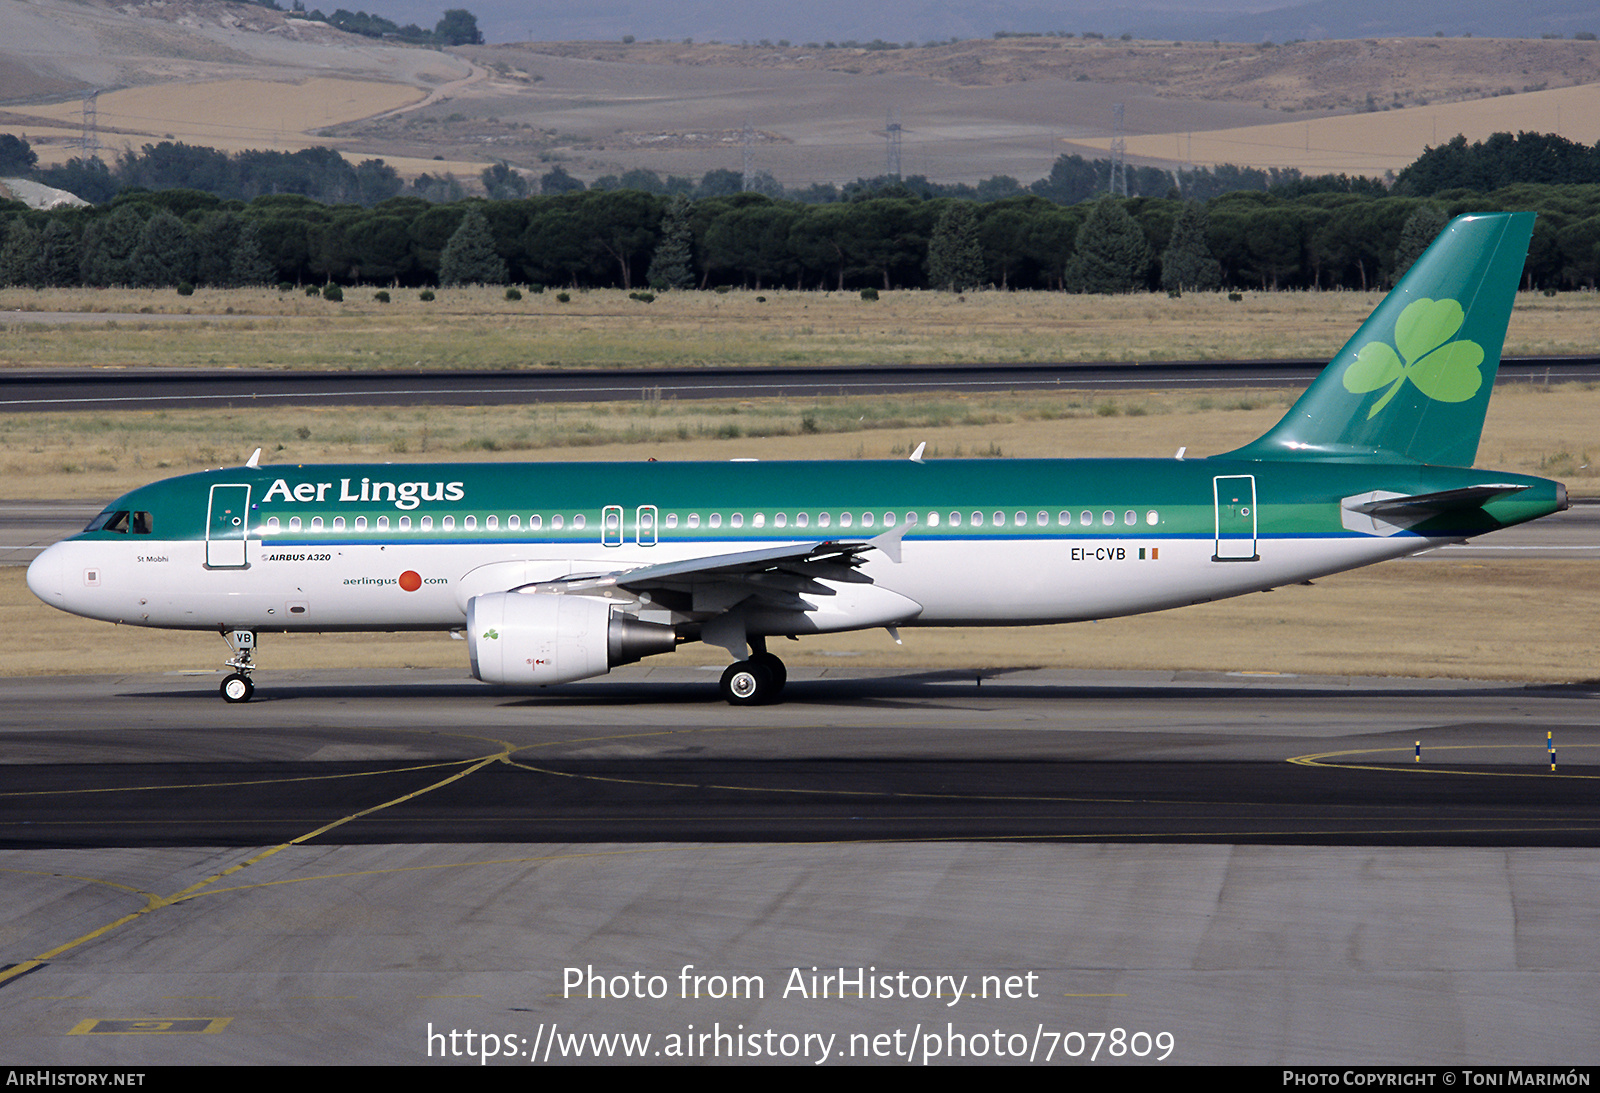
(239, 76)
(1322, 75)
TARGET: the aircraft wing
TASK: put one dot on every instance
(791, 568)
(725, 566)
(812, 586)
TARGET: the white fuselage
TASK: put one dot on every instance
(394, 585)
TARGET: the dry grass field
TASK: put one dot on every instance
(1314, 75)
(1534, 429)
(1372, 143)
(236, 115)
(479, 328)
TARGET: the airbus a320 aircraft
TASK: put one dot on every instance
(558, 572)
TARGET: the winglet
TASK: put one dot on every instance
(916, 456)
(254, 460)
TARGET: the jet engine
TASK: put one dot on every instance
(539, 638)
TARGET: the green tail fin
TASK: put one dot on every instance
(1414, 382)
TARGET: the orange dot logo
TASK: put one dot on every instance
(410, 580)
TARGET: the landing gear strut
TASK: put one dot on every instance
(237, 685)
(754, 682)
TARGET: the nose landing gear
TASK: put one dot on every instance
(237, 685)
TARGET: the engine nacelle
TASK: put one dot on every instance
(539, 638)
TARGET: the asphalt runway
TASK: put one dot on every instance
(845, 756)
(154, 389)
(1243, 868)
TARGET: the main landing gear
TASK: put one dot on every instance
(237, 685)
(754, 682)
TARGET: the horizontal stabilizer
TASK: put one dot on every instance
(1384, 512)
(1468, 497)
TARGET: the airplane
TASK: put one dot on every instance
(559, 572)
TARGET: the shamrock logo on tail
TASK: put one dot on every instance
(1443, 372)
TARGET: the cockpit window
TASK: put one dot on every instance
(123, 521)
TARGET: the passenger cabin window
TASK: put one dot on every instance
(535, 522)
(294, 523)
(470, 523)
(449, 523)
(492, 523)
(316, 523)
(272, 523)
(338, 523)
(578, 521)
(361, 523)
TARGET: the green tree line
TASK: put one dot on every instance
(889, 236)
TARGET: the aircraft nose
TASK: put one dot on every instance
(46, 576)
